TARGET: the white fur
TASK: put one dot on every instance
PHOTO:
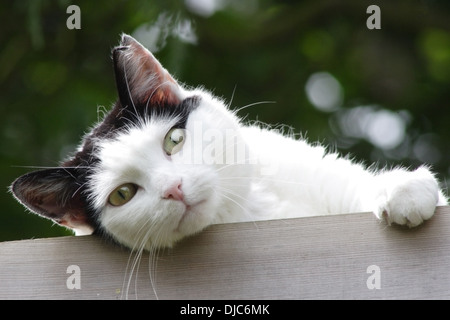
(276, 176)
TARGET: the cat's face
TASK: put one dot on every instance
(163, 164)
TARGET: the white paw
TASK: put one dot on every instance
(407, 198)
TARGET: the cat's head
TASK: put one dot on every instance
(164, 163)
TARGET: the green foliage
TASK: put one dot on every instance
(56, 82)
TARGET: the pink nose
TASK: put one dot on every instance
(174, 192)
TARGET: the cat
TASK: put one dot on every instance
(169, 160)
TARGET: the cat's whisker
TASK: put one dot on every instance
(245, 210)
(253, 104)
(136, 253)
(153, 252)
(285, 181)
(245, 161)
(135, 257)
(125, 288)
(232, 97)
(232, 192)
(153, 262)
(266, 178)
(141, 250)
(79, 188)
(137, 265)
(44, 167)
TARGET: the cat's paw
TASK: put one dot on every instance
(407, 198)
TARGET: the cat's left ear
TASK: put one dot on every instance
(54, 194)
(140, 78)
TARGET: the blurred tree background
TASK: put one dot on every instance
(381, 95)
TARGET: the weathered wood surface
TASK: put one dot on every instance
(323, 257)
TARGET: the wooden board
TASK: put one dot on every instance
(350, 256)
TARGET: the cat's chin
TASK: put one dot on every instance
(195, 218)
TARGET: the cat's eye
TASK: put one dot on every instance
(122, 194)
(173, 141)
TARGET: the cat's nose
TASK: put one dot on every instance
(174, 192)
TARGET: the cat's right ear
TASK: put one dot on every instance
(55, 194)
(140, 78)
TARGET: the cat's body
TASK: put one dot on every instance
(168, 161)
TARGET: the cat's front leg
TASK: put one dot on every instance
(407, 197)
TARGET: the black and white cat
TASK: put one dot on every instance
(167, 161)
